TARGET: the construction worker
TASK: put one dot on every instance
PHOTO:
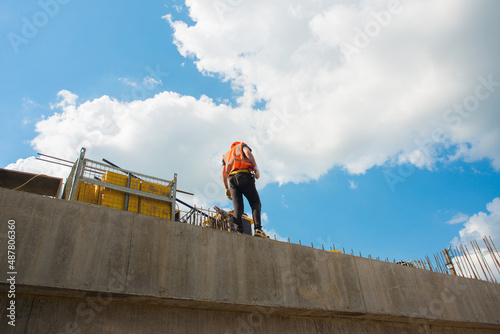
(239, 171)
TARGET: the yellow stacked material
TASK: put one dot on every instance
(335, 251)
(225, 219)
(244, 217)
(116, 199)
(153, 207)
(88, 193)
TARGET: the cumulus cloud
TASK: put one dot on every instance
(476, 227)
(160, 136)
(127, 81)
(410, 86)
(148, 82)
(482, 224)
(458, 219)
(353, 85)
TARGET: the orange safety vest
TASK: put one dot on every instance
(235, 159)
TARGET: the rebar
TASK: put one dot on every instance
(471, 262)
(493, 254)
(486, 265)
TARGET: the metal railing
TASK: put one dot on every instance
(102, 184)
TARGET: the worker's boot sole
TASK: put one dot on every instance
(260, 234)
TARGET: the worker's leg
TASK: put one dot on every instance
(247, 186)
(237, 197)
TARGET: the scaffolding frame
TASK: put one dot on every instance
(86, 171)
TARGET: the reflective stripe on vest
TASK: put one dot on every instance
(235, 159)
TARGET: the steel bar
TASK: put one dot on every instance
(126, 190)
(49, 156)
(54, 162)
(438, 265)
(458, 264)
(478, 260)
(488, 247)
(429, 262)
(486, 265)
(78, 173)
(469, 256)
(464, 260)
(493, 244)
(442, 262)
(467, 264)
(472, 267)
(493, 253)
(127, 195)
(116, 166)
(465, 268)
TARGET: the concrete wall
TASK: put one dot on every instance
(83, 268)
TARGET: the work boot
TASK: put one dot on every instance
(260, 233)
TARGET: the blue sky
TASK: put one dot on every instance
(374, 130)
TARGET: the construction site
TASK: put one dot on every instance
(109, 250)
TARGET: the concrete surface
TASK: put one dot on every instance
(88, 269)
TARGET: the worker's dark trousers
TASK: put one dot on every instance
(243, 184)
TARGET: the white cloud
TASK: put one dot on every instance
(458, 219)
(127, 81)
(482, 224)
(283, 201)
(148, 82)
(160, 136)
(68, 100)
(28, 103)
(151, 82)
(388, 101)
(394, 100)
(352, 184)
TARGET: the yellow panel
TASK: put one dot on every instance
(87, 193)
(116, 199)
(152, 207)
(155, 188)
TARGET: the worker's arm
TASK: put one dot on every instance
(224, 180)
(250, 157)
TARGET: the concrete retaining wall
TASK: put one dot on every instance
(83, 268)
